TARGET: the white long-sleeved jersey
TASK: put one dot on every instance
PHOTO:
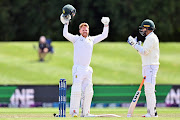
(150, 50)
(83, 47)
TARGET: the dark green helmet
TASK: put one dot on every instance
(68, 10)
(148, 24)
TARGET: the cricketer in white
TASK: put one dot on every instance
(150, 63)
(82, 88)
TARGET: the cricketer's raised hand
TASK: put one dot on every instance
(105, 20)
(132, 41)
(65, 20)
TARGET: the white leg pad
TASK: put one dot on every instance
(150, 98)
(86, 104)
(75, 98)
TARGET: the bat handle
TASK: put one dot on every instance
(142, 83)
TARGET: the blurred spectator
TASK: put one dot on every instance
(43, 48)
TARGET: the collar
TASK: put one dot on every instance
(84, 37)
(149, 34)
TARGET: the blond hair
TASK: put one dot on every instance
(83, 24)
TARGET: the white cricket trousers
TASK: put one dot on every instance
(82, 77)
(150, 71)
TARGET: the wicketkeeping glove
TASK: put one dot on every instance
(105, 20)
(65, 20)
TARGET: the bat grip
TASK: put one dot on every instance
(141, 83)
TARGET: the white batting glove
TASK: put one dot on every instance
(65, 20)
(139, 42)
(105, 20)
(132, 41)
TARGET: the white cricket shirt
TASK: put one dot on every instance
(151, 49)
(83, 47)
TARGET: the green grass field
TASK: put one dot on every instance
(47, 113)
(113, 63)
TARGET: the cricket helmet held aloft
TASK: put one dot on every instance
(68, 10)
(149, 24)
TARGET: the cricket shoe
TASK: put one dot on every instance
(74, 115)
(148, 115)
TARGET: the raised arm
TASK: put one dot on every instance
(66, 34)
(142, 50)
(146, 48)
(102, 36)
(99, 38)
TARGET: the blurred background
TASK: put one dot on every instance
(26, 82)
(26, 20)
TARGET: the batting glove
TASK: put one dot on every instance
(105, 20)
(65, 20)
(132, 41)
(139, 42)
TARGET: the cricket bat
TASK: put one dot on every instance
(135, 99)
